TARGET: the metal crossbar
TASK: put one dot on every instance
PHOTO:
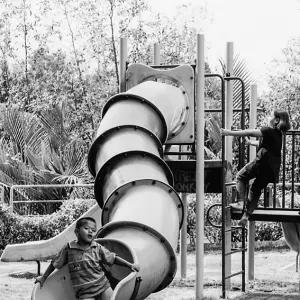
(14, 188)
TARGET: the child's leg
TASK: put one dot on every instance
(106, 295)
(243, 177)
(248, 172)
(250, 206)
(254, 194)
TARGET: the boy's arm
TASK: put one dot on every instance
(57, 262)
(122, 262)
(240, 133)
(42, 279)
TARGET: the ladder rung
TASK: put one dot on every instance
(230, 183)
(239, 248)
(235, 251)
(234, 274)
(234, 228)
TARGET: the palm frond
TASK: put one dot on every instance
(13, 125)
(213, 122)
(241, 70)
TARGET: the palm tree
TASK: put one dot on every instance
(213, 100)
(40, 149)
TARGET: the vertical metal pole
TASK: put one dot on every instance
(293, 170)
(183, 231)
(229, 99)
(224, 172)
(183, 236)
(11, 198)
(251, 224)
(156, 55)
(226, 212)
(123, 59)
(2, 195)
(38, 268)
(200, 168)
(283, 170)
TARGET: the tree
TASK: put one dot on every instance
(284, 83)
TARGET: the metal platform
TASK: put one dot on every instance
(271, 215)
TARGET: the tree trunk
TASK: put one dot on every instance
(113, 39)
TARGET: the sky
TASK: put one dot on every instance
(259, 29)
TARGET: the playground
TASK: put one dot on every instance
(146, 156)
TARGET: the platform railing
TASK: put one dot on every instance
(3, 186)
(15, 188)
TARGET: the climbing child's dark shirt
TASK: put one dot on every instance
(271, 141)
(269, 152)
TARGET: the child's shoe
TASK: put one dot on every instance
(243, 221)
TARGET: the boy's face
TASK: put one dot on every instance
(87, 232)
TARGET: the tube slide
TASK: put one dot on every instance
(291, 232)
(141, 212)
(43, 250)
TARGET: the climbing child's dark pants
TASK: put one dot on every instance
(262, 178)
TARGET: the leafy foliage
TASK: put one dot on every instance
(20, 229)
(284, 83)
(39, 149)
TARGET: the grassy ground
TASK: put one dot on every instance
(274, 273)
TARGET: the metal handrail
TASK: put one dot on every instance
(2, 187)
(14, 187)
(208, 213)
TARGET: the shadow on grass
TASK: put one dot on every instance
(25, 275)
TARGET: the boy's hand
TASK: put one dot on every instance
(135, 267)
(224, 131)
(247, 141)
(41, 280)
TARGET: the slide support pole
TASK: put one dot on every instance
(200, 168)
(183, 231)
(157, 58)
(229, 99)
(251, 224)
(123, 59)
(183, 236)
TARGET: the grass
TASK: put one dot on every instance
(274, 272)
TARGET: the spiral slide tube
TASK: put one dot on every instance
(141, 212)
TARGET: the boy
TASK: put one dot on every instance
(83, 257)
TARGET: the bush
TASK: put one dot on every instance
(16, 229)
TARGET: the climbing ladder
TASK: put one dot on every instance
(227, 194)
